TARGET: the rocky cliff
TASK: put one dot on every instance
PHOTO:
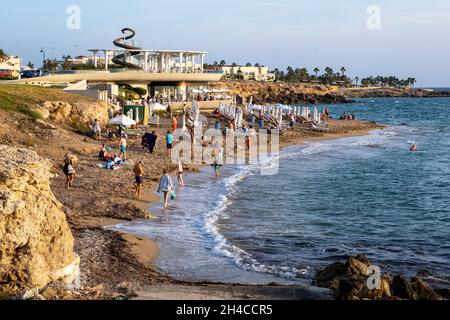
(36, 244)
(285, 93)
(76, 112)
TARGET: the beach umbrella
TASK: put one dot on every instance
(123, 120)
(158, 107)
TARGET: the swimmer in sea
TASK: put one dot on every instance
(413, 148)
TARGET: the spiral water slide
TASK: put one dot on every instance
(121, 58)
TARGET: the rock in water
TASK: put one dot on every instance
(402, 288)
(36, 244)
(424, 291)
(357, 267)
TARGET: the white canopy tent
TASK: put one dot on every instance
(157, 107)
(123, 120)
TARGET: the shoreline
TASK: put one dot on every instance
(212, 290)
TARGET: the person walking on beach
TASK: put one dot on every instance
(180, 174)
(123, 148)
(169, 141)
(165, 186)
(69, 170)
(174, 124)
(139, 177)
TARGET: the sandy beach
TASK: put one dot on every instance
(94, 203)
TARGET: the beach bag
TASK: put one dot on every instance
(70, 169)
(173, 196)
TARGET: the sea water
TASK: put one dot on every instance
(330, 199)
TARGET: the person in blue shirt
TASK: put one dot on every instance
(169, 141)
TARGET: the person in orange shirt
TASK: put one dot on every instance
(174, 124)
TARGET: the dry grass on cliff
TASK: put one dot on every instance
(19, 98)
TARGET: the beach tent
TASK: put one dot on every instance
(123, 120)
(157, 107)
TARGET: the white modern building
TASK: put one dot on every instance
(154, 61)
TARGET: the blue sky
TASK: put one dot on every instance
(413, 40)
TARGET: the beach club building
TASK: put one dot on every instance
(174, 75)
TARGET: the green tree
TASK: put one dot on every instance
(30, 65)
(257, 65)
(316, 71)
(234, 64)
(343, 70)
(356, 80)
(50, 64)
(222, 63)
(67, 63)
(248, 64)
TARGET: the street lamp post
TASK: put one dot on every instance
(43, 57)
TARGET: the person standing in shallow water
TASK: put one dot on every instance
(180, 174)
(165, 186)
(413, 148)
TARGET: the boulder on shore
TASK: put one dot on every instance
(350, 281)
(36, 244)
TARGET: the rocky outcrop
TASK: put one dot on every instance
(349, 281)
(285, 93)
(75, 112)
(36, 244)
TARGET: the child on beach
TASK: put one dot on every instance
(139, 177)
(169, 141)
(123, 148)
(216, 168)
(165, 186)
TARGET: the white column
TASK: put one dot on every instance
(193, 62)
(181, 62)
(106, 60)
(202, 62)
(161, 62)
(95, 59)
(169, 60)
(146, 62)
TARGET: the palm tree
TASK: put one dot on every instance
(257, 65)
(329, 71)
(30, 65)
(234, 64)
(356, 80)
(316, 71)
(343, 70)
(248, 64)
(222, 63)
